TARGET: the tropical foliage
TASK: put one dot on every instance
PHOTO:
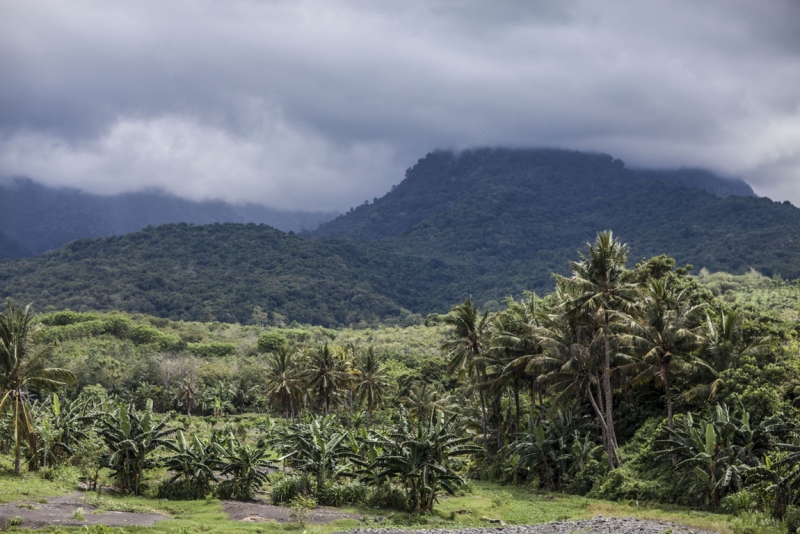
(627, 383)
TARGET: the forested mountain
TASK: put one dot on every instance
(701, 179)
(223, 271)
(511, 217)
(482, 224)
(40, 218)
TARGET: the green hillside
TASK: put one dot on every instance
(480, 224)
(519, 215)
(41, 218)
(221, 272)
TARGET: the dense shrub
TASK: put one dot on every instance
(353, 492)
(271, 341)
(286, 489)
(212, 350)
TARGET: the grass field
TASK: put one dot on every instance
(486, 501)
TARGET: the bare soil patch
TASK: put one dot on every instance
(261, 511)
(58, 511)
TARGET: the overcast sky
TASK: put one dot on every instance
(320, 105)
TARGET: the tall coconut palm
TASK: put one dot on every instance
(23, 364)
(425, 400)
(571, 363)
(326, 376)
(514, 343)
(664, 332)
(465, 348)
(371, 381)
(284, 385)
(605, 288)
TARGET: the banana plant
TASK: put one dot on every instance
(61, 426)
(132, 436)
(419, 458)
(714, 453)
(192, 464)
(319, 448)
(244, 470)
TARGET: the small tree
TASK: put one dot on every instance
(192, 464)
(371, 381)
(88, 456)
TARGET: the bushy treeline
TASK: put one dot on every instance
(623, 383)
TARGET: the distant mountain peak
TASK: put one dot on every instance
(37, 217)
(436, 182)
(701, 179)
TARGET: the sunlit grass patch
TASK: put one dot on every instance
(29, 487)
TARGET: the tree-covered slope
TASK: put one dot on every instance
(9, 248)
(443, 181)
(700, 179)
(41, 218)
(520, 214)
(221, 272)
(480, 224)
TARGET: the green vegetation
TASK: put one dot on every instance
(643, 385)
(481, 224)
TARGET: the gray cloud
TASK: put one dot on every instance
(294, 103)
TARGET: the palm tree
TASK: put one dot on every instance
(663, 333)
(326, 376)
(514, 344)
(22, 365)
(371, 381)
(284, 385)
(724, 348)
(465, 348)
(604, 287)
(187, 393)
(571, 363)
(424, 401)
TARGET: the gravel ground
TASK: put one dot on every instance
(260, 511)
(600, 525)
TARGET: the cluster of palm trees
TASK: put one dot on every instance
(325, 378)
(602, 330)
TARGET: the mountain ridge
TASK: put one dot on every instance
(40, 218)
(483, 225)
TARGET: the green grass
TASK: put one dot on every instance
(28, 488)
(512, 505)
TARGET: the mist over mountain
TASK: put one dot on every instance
(444, 180)
(701, 179)
(35, 218)
(481, 224)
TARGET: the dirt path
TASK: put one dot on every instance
(261, 511)
(58, 511)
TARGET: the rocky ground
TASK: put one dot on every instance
(598, 525)
(60, 511)
(261, 511)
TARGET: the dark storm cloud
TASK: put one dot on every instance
(321, 104)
